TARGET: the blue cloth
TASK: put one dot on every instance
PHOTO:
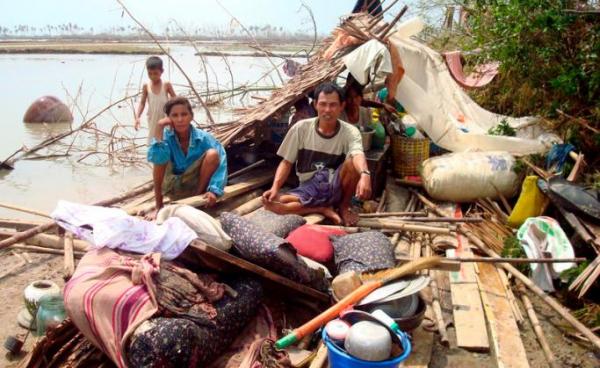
(558, 156)
(160, 153)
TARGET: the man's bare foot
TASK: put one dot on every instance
(151, 216)
(330, 213)
(348, 216)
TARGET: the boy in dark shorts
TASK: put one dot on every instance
(330, 163)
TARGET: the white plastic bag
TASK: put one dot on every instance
(540, 235)
(468, 176)
(208, 229)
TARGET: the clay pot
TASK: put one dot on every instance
(35, 291)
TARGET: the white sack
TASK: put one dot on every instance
(208, 229)
(467, 176)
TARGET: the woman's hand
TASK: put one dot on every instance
(211, 198)
(165, 122)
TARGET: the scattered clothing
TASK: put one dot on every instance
(156, 104)
(312, 151)
(363, 252)
(114, 228)
(109, 296)
(269, 251)
(323, 189)
(313, 241)
(280, 225)
(205, 226)
(169, 150)
(540, 237)
(179, 342)
(558, 156)
(247, 349)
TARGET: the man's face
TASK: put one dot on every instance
(328, 106)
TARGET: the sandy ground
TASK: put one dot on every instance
(42, 267)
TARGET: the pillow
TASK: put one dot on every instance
(313, 241)
(363, 252)
(270, 251)
(280, 225)
(206, 227)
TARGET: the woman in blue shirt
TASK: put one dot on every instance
(187, 161)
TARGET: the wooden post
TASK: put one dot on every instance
(69, 266)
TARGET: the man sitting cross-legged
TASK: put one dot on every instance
(330, 163)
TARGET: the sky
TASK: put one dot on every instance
(190, 14)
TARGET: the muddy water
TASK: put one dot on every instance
(38, 184)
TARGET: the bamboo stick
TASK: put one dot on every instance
(559, 308)
(35, 249)
(390, 225)
(423, 219)
(248, 207)
(69, 267)
(511, 296)
(537, 328)
(437, 310)
(246, 169)
(503, 260)
(381, 205)
(393, 23)
(23, 209)
(390, 214)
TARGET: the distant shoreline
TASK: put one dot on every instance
(105, 46)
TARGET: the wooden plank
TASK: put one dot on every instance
(422, 344)
(467, 309)
(205, 250)
(507, 345)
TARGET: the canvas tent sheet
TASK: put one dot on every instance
(441, 107)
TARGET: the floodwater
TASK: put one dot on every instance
(95, 81)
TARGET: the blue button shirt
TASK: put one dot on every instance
(169, 149)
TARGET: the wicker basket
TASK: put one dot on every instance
(408, 154)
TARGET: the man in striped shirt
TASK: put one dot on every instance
(330, 163)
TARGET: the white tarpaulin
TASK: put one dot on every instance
(442, 109)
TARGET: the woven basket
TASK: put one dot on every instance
(408, 154)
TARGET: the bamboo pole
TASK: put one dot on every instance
(392, 225)
(390, 214)
(69, 267)
(381, 204)
(35, 249)
(537, 328)
(248, 207)
(23, 209)
(437, 310)
(559, 308)
(502, 260)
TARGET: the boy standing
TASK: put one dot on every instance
(157, 93)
